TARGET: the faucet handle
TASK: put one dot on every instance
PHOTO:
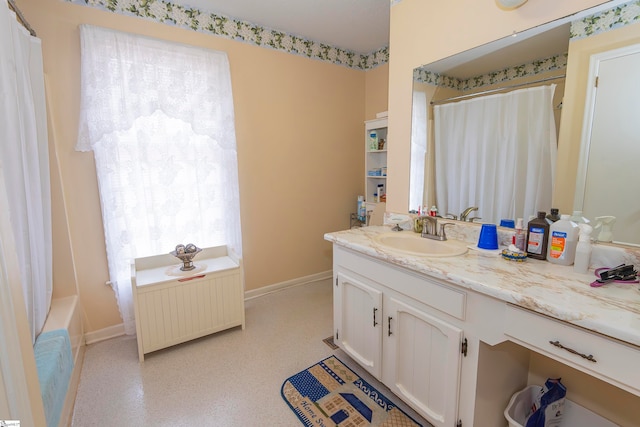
(443, 234)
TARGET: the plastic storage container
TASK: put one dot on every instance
(573, 415)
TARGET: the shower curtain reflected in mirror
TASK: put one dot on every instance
(487, 147)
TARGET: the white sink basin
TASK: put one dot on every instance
(414, 244)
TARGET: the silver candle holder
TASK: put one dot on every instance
(186, 255)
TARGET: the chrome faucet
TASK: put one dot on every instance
(430, 228)
(465, 213)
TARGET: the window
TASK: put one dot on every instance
(159, 119)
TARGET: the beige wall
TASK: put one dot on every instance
(425, 31)
(299, 129)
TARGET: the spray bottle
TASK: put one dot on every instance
(583, 249)
(519, 238)
(605, 226)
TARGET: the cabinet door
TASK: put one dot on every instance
(422, 361)
(357, 320)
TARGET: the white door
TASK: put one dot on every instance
(422, 361)
(614, 145)
(357, 320)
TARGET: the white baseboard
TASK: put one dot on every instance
(288, 284)
(118, 330)
(104, 334)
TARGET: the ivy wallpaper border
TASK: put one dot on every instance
(556, 62)
(616, 17)
(168, 13)
(165, 12)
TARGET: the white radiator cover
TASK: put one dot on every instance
(172, 307)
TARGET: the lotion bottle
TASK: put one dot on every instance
(584, 249)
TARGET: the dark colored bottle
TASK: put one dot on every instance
(554, 215)
(538, 237)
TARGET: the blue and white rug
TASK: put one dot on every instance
(330, 394)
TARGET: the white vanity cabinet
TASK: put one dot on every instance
(596, 355)
(456, 338)
(421, 360)
(398, 339)
(357, 317)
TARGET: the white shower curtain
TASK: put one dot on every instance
(24, 162)
(498, 153)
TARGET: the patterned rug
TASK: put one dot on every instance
(330, 394)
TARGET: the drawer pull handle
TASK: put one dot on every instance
(375, 310)
(389, 333)
(186, 279)
(590, 357)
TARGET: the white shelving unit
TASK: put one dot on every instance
(375, 160)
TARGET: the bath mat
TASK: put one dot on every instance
(330, 394)
(329, 341)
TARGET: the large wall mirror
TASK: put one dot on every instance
(488, 132)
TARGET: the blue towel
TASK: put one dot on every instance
(55, 364)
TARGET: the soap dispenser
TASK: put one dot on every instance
(604, 224)
(583, 249)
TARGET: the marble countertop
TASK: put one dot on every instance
(541, 286)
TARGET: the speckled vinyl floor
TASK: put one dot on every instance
(228, 379)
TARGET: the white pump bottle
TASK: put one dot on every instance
(583, 249)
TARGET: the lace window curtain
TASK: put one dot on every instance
(24, 163)
(159, 119)
(497, 152)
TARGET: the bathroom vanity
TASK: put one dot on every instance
(452, 336)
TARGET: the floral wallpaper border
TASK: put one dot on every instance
(210, 23)
(556, 62)
(166, 12)
(616, 17)
(619, 16)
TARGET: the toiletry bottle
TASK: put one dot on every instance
(433, 211)
(538, 237)
(553, 216)
(519, 237)
(563, 239)
(362, 209)
(373, 140)
(584, 249)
